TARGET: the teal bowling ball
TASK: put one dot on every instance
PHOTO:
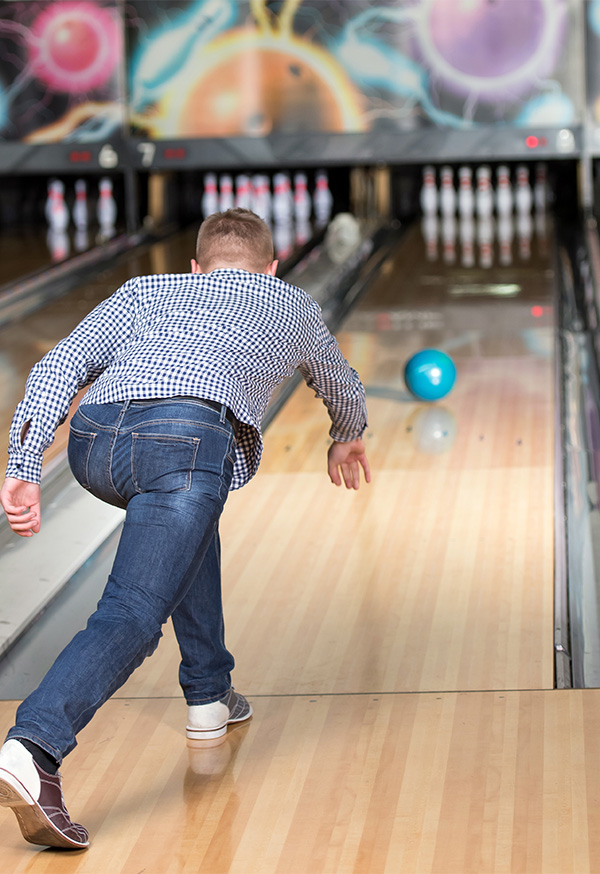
(430, 374)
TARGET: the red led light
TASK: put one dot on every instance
(532, 142)
(537, 312)
(80, 157)
(176, 154)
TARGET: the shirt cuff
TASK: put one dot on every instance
(344, 437)
(22, 465)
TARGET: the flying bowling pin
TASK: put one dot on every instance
(302, 204)
(57, 212)
(322, 198)
(484, 203)
(504, 196)
(523, 195)
(429, 192)
(447, 192)
(106, 210)
(210, 197)
(80, 208)
(466, 196)
(226, 199)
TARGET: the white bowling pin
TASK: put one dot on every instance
(430, 230)
(429, 192)
(262, 202)
(504, 196)
(226, 200)
(243, 192)
(58, 213)
(80, 207)
(106, 210)
(283, 200)
(523, 195)
(467, 240)
(210, 196)
(447, 192)
(483, 196)
(302, 204)
(322, 198)
(485, 235)
(505, 235)
(466, 196)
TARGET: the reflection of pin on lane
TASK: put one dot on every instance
(429, 227)
(433, 429)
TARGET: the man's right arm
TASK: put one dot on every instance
(55, 380)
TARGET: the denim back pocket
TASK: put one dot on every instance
(78, 452)
(162, 462)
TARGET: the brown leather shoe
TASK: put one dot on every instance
(37, 800)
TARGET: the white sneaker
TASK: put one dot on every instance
(206, 721)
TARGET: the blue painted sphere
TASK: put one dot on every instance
(430, 374)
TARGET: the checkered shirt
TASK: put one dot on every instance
(227, 336)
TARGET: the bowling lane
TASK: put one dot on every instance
(22, 252)
(439, 575)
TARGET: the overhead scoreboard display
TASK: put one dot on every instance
(237, 83)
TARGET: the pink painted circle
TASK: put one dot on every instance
(75, 46)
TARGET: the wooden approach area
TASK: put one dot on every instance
(396, 643)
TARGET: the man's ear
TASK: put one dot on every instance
(272, 268)
(195, 266)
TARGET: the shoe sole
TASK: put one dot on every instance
(33, 822)
(218, 731)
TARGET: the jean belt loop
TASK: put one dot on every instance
(126, 405)
(223, 414)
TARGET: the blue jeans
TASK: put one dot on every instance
(169, 463)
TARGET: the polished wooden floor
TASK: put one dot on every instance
(396, 643)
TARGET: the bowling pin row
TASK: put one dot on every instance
(480, 197)
(276, 203)
(481, 234)
(57, 211)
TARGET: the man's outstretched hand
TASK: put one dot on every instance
(21, 503)
(344, 460)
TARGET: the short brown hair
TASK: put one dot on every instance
(237, 238)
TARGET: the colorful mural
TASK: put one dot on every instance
(251, 68)
(222, 68)
(61, 70)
